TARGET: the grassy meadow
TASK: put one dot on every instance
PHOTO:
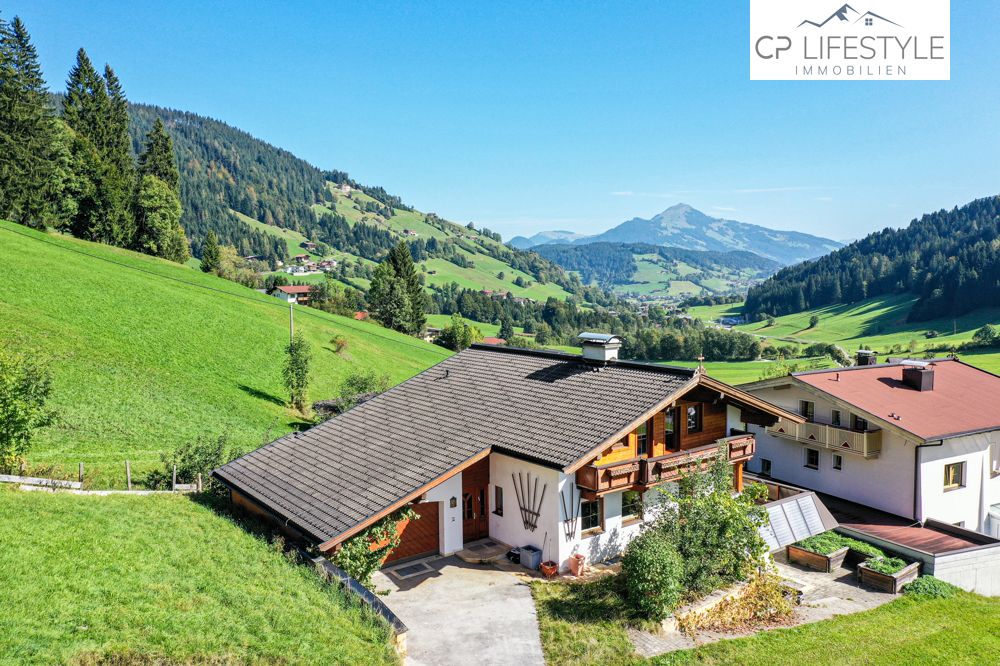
(162, 579)
(879, 323)
(147, 354)
(586, 624)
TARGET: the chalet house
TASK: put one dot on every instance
(293, 293)
(512, 444)
(916, 439)
(309, 245)
(300, 258)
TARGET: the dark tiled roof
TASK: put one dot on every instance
(549, 407)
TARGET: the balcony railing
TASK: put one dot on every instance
(643, 473)
(866, 443)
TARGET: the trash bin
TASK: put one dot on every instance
(531, 557)
(514, 555)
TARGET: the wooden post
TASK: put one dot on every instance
(291, 321)
(738, 477)
(197, 482)
(128, 474)
(81, 473)
(173, 485)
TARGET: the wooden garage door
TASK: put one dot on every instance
(418, 537)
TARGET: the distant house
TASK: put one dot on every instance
(327, 264)
(410, 232)
(361, 316)
(301, 258)
(293, 293)
(494, 341)
(550, 449)
(431, 334)
(295, 270)
(345, 188)
(309, 245)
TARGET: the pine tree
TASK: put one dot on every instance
(211, 255)
(296, 371)
(117, 153)
(157, 159)
(158, 202)
(387, 298)
(31, 155)
(406, 273)
(506, 328)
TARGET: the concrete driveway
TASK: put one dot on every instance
(461, 613)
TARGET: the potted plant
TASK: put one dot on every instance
(823, 552)
(549, 568)
(578, 563)
(889, 574)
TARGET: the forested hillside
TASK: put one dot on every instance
(950, 260)
(655, 272)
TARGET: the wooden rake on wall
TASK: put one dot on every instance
(528, 499)
(571, 511)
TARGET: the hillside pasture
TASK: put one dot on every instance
(162, 579)
(147, 354)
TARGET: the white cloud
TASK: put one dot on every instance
(623, 193)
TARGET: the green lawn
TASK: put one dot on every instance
(147, 354)
(162, 579)
(488, 330)
(743, 372)
(964, 629)
(584, 624)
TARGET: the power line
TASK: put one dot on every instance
(268, 301)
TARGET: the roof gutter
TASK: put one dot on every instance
(916, 476)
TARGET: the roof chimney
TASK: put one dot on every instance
(866, 357)
(600, 347)
(918, 376)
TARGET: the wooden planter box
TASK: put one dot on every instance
(892, 583)
(816, 561)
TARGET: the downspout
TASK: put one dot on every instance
(916, 476)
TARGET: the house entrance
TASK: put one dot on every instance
(475, 500)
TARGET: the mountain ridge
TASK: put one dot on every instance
(684, 226)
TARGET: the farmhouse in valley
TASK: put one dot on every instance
(915, 439)
(511, 444)
(293, 293)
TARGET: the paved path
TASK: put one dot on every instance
(460, 613)
(824, 595)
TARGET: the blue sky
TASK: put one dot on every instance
(575, 115)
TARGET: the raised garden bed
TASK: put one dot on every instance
(817, 561)
(882, 580)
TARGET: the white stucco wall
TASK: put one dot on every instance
(884, 483)
(449, 519)
(969, 504)
(510, 528)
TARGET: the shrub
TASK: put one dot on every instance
(652, 571)
(885, 565)
(828, 542)
(362, 555)
(929, 587)
(715, 531)
(25, 385)
(192, 458)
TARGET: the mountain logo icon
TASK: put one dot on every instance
(848, 14)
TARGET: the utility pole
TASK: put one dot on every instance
(291, 321)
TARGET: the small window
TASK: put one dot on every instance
(590, 515)
(859, 423)
(812, 458)
(765, 467)
(498, 500)
(835, 417)
(954, 476)
(694, 418)
(669, 434)
(838, 461)
(807, 408)
(642, 439)
(631, 505)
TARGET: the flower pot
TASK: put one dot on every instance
(578, 564)
(816, 561)
(549, 568)
(892, 583)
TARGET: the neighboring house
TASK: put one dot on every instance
(294, 293)
(309, 245)
(431, 334)
(493, 341)
(559, 451)
(301, 258)
(917, 439)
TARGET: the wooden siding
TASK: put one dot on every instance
(714, 421)
(418, 537)
(713, 424)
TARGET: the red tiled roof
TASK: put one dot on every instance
(964, 399)
(494, 341)
(295, 289)
(361, 316)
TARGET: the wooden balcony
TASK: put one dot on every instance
(643, 473)
(866, 443)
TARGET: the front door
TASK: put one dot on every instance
(475, 494)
